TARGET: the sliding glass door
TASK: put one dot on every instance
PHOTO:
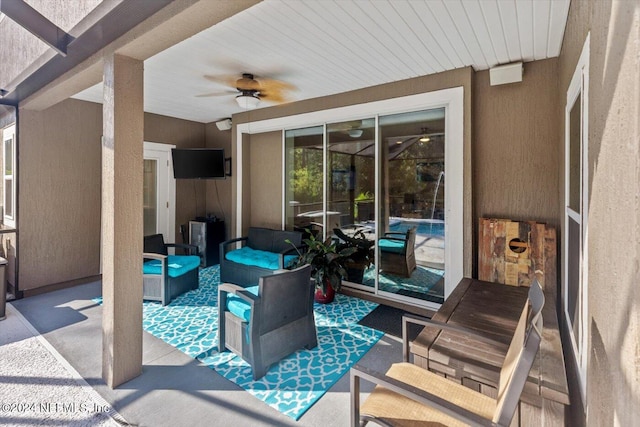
(304, 172)
(411, 245)
(381, 179)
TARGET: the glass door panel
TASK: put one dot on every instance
(411, 244)
(150, 197)
(304, 171)
(350, 183)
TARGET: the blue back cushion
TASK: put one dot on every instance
(178, 265)
(267, 239)
(258, 258)
(240, 307)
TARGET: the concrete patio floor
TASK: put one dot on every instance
(174, 389)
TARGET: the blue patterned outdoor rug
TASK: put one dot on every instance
(190, 323)
(422, 281)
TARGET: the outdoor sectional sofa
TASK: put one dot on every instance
(262, 252)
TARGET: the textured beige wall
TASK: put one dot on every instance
(60, 181)
(122, 183)
(265, 159)
(59, 193)
(613, 385)
(516, 144)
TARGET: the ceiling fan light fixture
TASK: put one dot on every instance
(355, 133)
(247, 101)
(424, 137)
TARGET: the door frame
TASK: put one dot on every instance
(163, 151)
(452, 99)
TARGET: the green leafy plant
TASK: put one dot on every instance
(363, 247)
(326, 260)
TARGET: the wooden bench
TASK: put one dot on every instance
(492, 310)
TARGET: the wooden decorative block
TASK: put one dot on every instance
(511, 252)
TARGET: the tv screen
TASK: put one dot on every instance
(198, 163)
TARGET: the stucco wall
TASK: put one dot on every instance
(613, 385)
(59, 193)
(59, 188)
(515, 144)
(265, 158)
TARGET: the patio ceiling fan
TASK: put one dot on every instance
(250, 90)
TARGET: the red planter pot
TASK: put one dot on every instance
(327, 298)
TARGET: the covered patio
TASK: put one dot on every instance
(174, 389)
(86, 89)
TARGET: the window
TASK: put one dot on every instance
(8, 172)
(575, 248)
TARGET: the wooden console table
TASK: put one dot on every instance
(492, 310)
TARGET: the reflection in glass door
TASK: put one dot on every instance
(304, 171)
(350, 183)
(411, 244)
(150, 196)
(381, 179)
(331, 191)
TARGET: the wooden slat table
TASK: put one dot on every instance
(492, 309)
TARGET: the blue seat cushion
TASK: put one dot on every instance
(391, 245)
(240, 307)
(258, 258)
(178, 265)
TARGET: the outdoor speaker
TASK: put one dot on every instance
(503, 74)
(224, 124)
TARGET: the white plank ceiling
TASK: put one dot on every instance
(325, 47)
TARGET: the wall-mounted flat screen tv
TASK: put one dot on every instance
(198, 163)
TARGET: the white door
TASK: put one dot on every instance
(159, 191)
(575, 253)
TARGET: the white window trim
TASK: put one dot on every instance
(9, 220)
(451, 99)
(579, 86)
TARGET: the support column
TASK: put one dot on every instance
(122, 221)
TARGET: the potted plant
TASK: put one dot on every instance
(362, 256)
(327, 265)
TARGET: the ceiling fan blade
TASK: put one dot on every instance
(276, 85)
(214, 94)
(227, 80)
(275, 97)
(270, 90)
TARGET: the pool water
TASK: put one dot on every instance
(427, 227)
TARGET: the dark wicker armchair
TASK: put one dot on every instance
(397, 252)
(267, 322)
(166, 276)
